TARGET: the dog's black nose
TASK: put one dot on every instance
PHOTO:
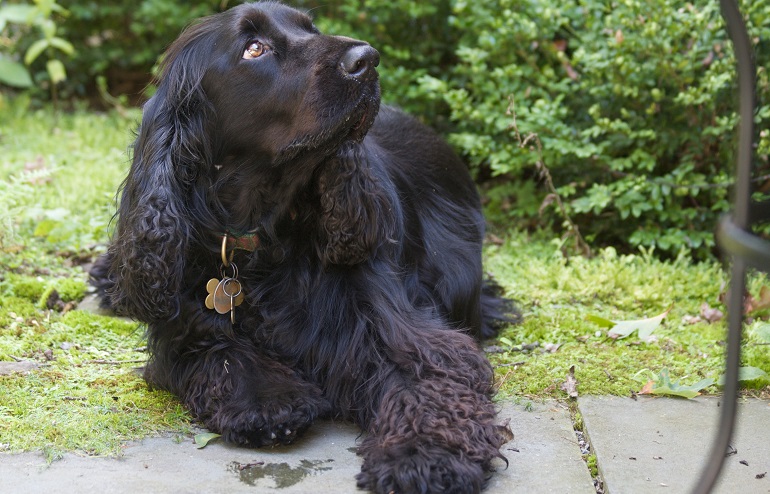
(359, 62)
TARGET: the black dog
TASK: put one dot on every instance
(297, 253)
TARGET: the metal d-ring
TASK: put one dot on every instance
(225, 260)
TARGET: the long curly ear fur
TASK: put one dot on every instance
(357, 214)
(146, 256)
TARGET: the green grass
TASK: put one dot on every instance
(556, 294)
(86, 395)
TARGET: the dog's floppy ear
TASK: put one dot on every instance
(147, 253)
(358, 211)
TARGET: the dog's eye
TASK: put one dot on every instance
(254, 50)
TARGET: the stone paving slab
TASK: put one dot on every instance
(659, 445)
(544, 458)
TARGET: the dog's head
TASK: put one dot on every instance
(249, 103)
(275, 86)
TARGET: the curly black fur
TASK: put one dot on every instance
(365, 294)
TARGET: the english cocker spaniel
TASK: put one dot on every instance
(297, 251)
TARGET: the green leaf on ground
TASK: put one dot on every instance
(621, 329)
(747, 374)
(762, 332)
(664, 387)
(204, 438)
(600, 321)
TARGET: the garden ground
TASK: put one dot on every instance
(619, 324)
(644, 445)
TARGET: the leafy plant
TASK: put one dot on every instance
(748, 374)
(634, 106)
(40, 18)
(123, 40)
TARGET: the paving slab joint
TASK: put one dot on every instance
(586, 448)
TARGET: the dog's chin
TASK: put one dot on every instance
(350, 128)
(357, 125)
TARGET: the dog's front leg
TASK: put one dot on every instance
(237, 391)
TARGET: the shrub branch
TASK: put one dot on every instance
(553, 196)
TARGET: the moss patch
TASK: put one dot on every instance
(86, 408)
(557, 293)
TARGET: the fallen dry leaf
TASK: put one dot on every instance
(647, 388)
(764, 297)
(494, 239)
(710, 314)
(551, 347)
(570, 385)
(689, 320)
(751, 304)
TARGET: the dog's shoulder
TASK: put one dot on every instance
(414, 151)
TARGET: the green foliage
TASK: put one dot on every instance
(22, 20)
(14, 193)
(557, 295)
(59, 176)
(622, 329)
(663, 386)
(25, 287)
(123, 39)
(634, 104)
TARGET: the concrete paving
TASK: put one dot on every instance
(649, 445)
(544, 457)
(659, 445)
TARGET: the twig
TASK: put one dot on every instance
(512, 364)
(580, 244)
(116, 362)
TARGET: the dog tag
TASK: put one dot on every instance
(211, 287)
(222, 301)
(226, 294)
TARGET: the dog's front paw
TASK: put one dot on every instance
(418, 469)
(266, 424)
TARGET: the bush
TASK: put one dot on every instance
(121, 40)
(634, 103)
(635, 106)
